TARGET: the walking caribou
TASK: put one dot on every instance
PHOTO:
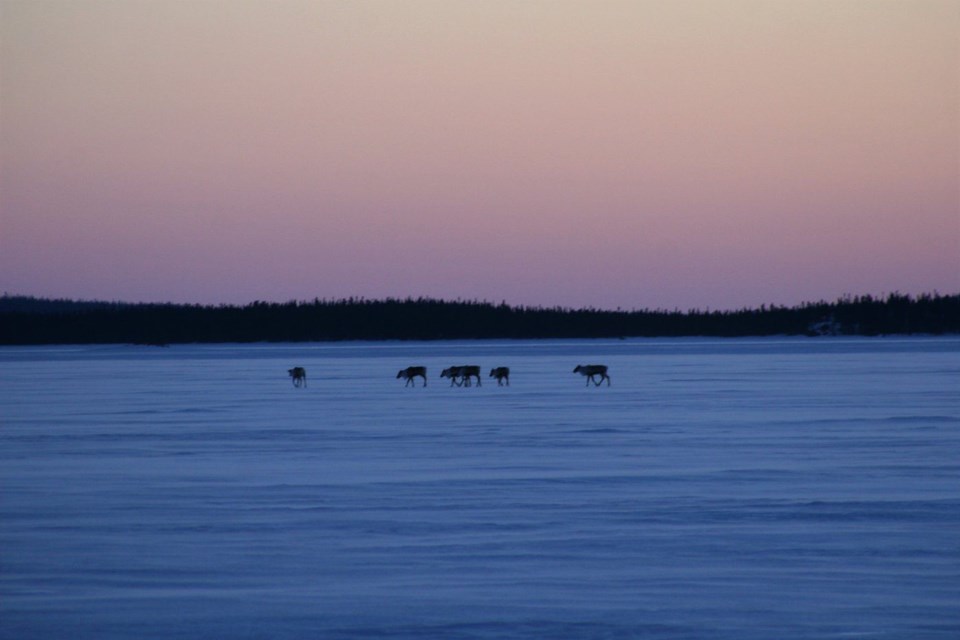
(501, 374)
(299, 376)
(591, 370)
(410, 373)
(464, 372)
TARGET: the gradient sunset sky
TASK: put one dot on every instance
(640, 154)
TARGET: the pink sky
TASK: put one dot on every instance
(595, 153)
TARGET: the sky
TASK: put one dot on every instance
(639, 154)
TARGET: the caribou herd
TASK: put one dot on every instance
(463, 375)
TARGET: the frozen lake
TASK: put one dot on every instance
(752, 488)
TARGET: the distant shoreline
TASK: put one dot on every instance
(26, 320)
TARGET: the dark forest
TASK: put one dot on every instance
(27, 320)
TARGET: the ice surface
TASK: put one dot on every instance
(761, 488)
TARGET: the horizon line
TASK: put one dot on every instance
(844, 298)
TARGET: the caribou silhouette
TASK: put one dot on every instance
(299, 376)
(590, 370)
(410, 373)
(464, 373)
(501, 374)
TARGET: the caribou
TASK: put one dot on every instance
(452, 373)
(590, 370)
(501, 374)
(410, 373)
(464, 373)
(299, 376)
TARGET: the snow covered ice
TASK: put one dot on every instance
(749, 488)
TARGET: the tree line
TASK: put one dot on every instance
(28, 320)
